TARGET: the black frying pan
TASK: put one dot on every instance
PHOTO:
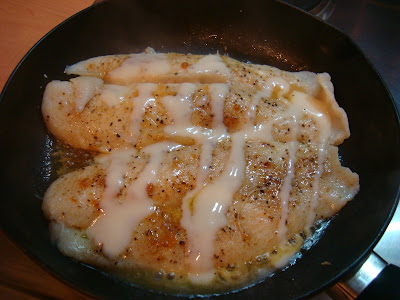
(259, 31)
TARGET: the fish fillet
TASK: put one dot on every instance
(210, 172)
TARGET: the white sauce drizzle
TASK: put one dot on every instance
(300, 104)
(263, 132)
(140, 103)
(180, 106)
(210, 64)
(276, 82)
(141, 65)
(85, 88)
(218, 92)
(181, 110)
(210, 202)
(286, 188)
(201, 234)
(209, 212)
(324, 127)
(113, 94)
(113, 229)
(252, 112)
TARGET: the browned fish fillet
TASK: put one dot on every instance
(214, 171)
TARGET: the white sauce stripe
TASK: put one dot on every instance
(210, 205)
(200, 228)
(113, 229)
(144, 99)
(85, 88)
(210, 64)
(141, 65)
(277, 82)
(180, 106)
(286, 188)
(116, 172)
(218, 92)
(113, 94)
(324, 127)
(300, 104)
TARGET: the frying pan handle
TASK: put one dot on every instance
(385, 286)
(375, 280)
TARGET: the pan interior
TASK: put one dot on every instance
(265, 32)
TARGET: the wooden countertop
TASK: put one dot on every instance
(22, 24)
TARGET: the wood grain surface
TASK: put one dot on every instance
(22, 24)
